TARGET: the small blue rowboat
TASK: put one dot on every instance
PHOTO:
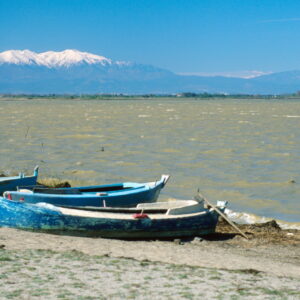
(180, 218)
(125, 194)
(11, 183)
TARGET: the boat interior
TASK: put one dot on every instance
(74, 191)
(169, 208)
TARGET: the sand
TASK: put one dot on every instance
(223, 266)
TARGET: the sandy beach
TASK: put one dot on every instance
(222, 266)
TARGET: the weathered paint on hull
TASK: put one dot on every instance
(32, 217)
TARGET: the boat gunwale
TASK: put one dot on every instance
(128, 188)
(81, 213)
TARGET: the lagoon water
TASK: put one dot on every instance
(243, 151)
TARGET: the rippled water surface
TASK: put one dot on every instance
(246, 152)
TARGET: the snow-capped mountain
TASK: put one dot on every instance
(52, 59)
(72, 71)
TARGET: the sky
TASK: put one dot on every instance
(184, 36)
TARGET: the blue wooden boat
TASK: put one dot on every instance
(11, 183)
(125, 194)
(180, 218)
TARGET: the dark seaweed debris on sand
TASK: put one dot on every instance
(260, 233)
(63, 184)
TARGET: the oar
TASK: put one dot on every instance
(200, 196)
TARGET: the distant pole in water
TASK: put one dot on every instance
(28, 127)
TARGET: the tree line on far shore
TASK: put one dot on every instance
(145, 96)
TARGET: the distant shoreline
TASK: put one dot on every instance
(179, 96)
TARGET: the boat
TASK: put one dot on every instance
(126, 194)
(12, 183)
(180, 218)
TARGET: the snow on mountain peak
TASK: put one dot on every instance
(70, 57)
(17, 57)
(52, 59)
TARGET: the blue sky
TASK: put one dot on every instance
(184, 36)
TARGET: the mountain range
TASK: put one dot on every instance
(73, 72)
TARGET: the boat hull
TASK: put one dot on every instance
(51, 219)
(11, 183)
(128, 197)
